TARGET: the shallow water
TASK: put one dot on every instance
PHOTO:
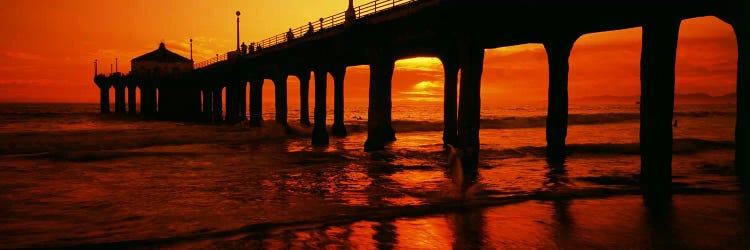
(621, 222)
(69, 179)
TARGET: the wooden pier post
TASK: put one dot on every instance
(657, 105)
(218, 111)
(338, 128)
(304, 98)
(558, 50)
(279, 83)
(738, 15)
(471, 58)
(379, 129)
(256, 102)
(242, 100)
(119, 84)
(320, 133)
(148, 98)
(104, 99)
(231, 103)
(450, 91)
(131, 98)
(208, 105)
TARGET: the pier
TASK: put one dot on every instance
(457, 32)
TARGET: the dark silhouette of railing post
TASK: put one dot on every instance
(256, 102)
(279, 83)
(131, 97)
(119, 84)
(558, 49)
(217, 105)
(471, 58)
(657, 105)
(450, 91)
(379, 130)
(304, 96)
(338, 128)
(320, 133)
(208, 105)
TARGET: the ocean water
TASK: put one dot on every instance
(72, 177)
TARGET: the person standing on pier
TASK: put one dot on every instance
(289, 35)
(310, 29)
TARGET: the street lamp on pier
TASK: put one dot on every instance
(238, 30)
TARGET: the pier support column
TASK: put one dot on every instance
(379, 130)
(338, 128)
(242, 102)
(738, 16)
(657, 106)
(148, 99)
(742, 135)
(320, 133)
(103, 98)
(208, 105)
(390, 134)
(218, 112)
(256, 102)
(131, 99)
(450, 69)
(279, 83)
(304, 96)
(471, 59)
(558, 52)
(119, 86)
(231, 103)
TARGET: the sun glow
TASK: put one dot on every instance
(424, 91)
(430, 64)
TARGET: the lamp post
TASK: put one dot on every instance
(238, 30)
(95, 73)
(191, 49)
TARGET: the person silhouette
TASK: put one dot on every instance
(310, 28)
(289, 35)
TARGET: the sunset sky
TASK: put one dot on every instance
(48, 48)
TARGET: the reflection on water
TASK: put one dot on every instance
(192, 186)
(696, 221)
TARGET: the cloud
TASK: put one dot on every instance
(17, 55)
(31, 82)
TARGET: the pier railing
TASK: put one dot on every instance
(321, 24)
(218, 58)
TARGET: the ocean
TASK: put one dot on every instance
(70, 177)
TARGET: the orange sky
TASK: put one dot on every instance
(47, 49)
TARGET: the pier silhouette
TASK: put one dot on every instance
(457, 32)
